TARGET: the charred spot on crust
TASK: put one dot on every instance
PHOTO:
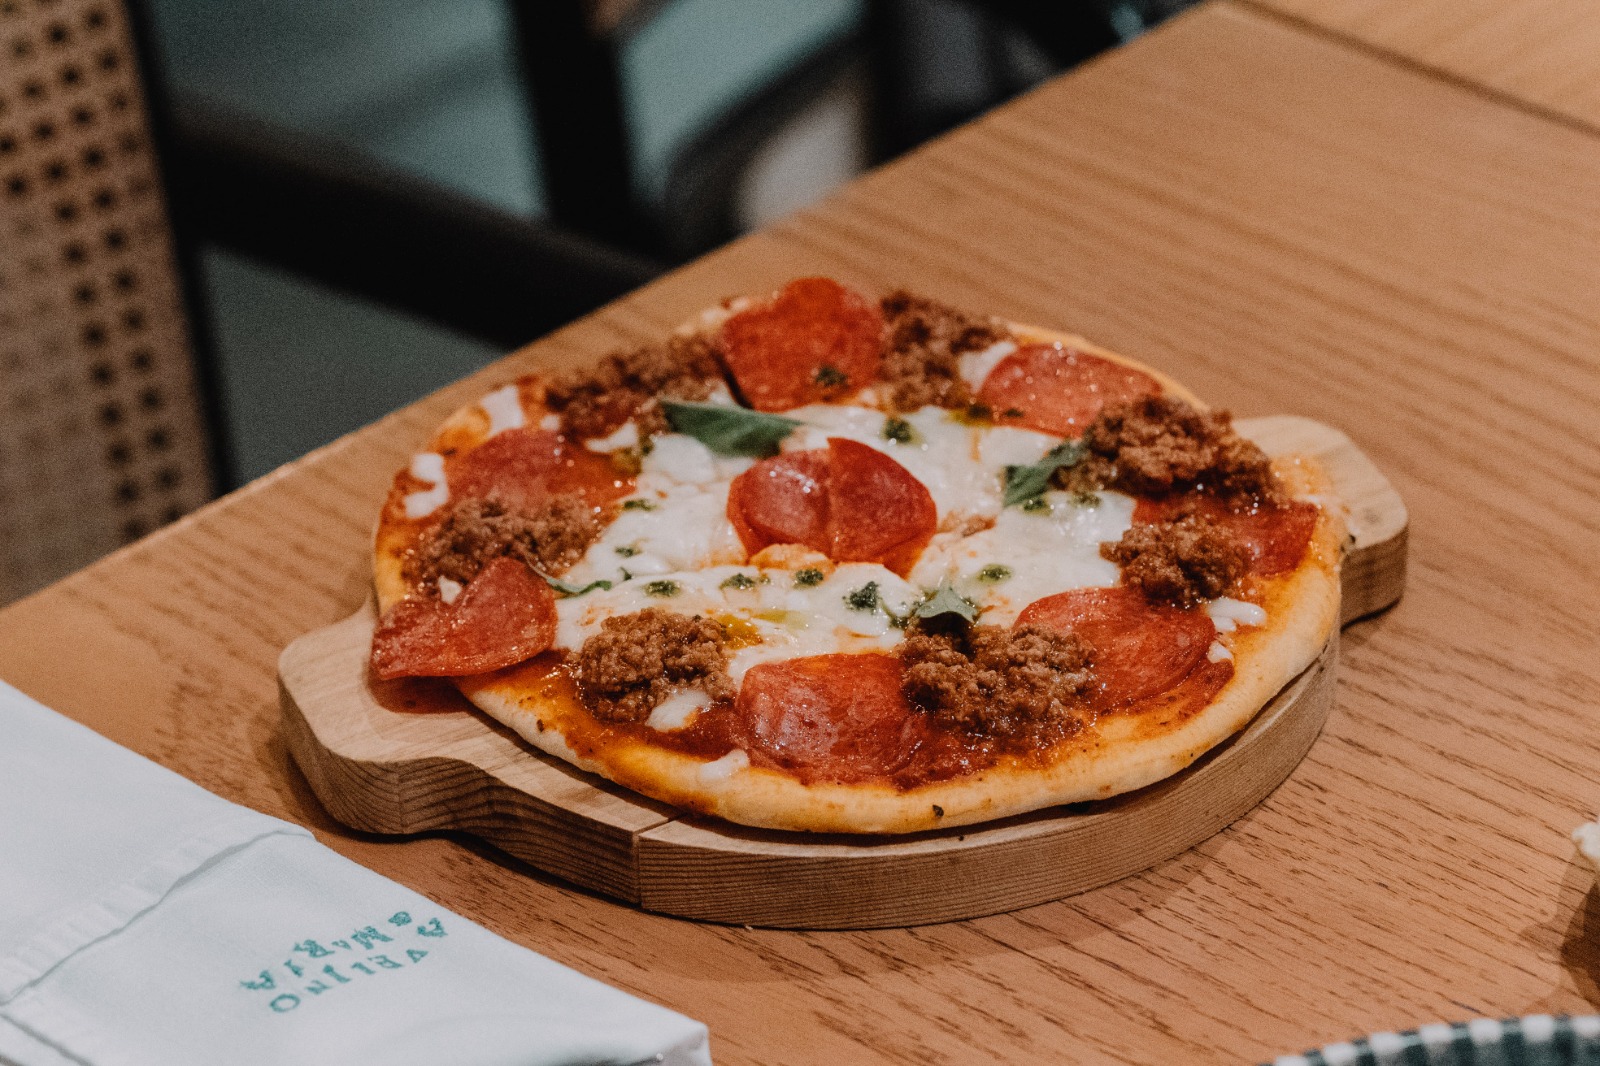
(596, 401)
(1024, 686)
(1159, 444)
(924, 342)
(1181, 561)
(475, 532)
(637, 660)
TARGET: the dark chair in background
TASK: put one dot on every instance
(571, 52)
(110, 420)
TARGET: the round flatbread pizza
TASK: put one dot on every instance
(831, 563)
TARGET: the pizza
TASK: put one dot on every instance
(825, 562)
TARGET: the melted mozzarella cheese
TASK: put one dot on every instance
(943, 453)
(1027, 555)
(786, 619)
(624, 436)
(976, 366)
(672, 546)
(504, 408)
(449, 589)
(725, 767)
(428, 468)
(1229, 614)
(678, 710)
(676, 520)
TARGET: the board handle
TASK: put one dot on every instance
(1373, 574)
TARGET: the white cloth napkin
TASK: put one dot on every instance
(146, 922)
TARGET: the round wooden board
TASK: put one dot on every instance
(408, 757)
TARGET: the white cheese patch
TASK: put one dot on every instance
(680, 459)
(428, 467)
(449, 589)
(624, 436)
(790, 620)
(550, 423)
(1587, 837)
(1003, 446)
(976, 366)
(672, 546)
(1219, 652)
(1229, 614)
(504, 408)
(1027, 555)
(678, 710)
(721, 396)
(725, 767)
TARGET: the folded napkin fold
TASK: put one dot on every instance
(145, 921)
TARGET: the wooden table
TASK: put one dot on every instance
(1287, 224)
(1542, 54)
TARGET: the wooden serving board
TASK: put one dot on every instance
(409, 757)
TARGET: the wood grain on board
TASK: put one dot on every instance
(408, 756)
(1284, 223)
(1543, 53)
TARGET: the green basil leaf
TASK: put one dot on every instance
(729, 430)
(568, 589)
(1024, 483)
(945, 600)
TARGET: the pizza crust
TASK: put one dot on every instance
(1122, 752)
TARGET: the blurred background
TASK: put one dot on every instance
(232, 230)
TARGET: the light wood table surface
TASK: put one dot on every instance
(1544, 54)
(1286, 224)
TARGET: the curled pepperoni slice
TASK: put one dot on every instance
(526, 466)
(829, 717)
(1273, 536)
(1059, 390)
(849, 501)
(815, 340)
(1141, 649)
(505, 615)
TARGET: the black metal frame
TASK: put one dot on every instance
(399, 241)
(345, 221)
(348, 222)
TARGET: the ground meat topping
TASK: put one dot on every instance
(637, 660)
(596, 401)
(1180, 561)
(1025, 684)
(476, 531)
(1159, 444)
(924, 342)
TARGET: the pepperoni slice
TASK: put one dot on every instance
(849, 501)
(526, 466)
(505, 615)
(830, 717)
(815, 340)
(784, 500)
(1141, 649)
(1059, 390)
(1275, 537)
